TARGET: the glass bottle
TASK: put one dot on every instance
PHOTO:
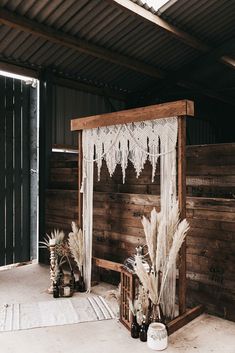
(135, 328)
(143, 330)
(156, 314)
(81, 285)
(72, 280)
(56, 291)
(61, 277)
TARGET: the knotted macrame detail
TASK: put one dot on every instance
(136, 142)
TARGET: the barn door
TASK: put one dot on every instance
(14, 171)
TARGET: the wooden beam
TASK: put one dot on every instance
(108, 265)
(18, 70)
(182, 208)
(80, 86)
(184, 319)
(158, 111)
(24, 24)
(138, 11)
(80, 195)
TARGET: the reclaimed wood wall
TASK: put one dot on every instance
(118, 208)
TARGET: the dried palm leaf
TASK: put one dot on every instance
(178, 240)
(75, 241)
(150, 230)
(57, 234)
(148, 280)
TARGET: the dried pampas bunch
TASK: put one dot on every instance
(178, 239)
(133, 306)
(164, 241)
(150, 230)
(75, 240)
(148, 280)
(143, 302)
(139, 307)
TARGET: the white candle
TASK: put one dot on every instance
(52, 242)
(66, 291)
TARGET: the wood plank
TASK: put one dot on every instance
(2, 173)
(108, 265)
(184, 319)
(136, 10)
(157, 111)
(18, 69)
(80, 195)
(182, 208)
(218, 53)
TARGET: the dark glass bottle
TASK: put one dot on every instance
(143, 331)
(56, 291)
(72, 281)
(135, 328)
(81, 285)
(61, 277)
(77, 286)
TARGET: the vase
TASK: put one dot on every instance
(155, 313)
(135, 328)
(143, 332)
(157, 338)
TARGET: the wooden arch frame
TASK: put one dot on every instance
(181, 109)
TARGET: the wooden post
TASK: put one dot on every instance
(182, 208)
(80, 196)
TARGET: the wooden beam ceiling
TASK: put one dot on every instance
(138, 11)
(24, 24)
(39, 30)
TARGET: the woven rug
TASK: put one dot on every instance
(61, 311)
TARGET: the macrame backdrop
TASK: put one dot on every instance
(135, 142)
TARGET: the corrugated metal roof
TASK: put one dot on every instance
(102, 23)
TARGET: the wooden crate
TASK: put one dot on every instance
(129, 283)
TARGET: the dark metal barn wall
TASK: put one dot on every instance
(15, 171)
(69, 103)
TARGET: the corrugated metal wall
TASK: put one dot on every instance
(69, 103)
(200, 132)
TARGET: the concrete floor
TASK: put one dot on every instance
(29, 283)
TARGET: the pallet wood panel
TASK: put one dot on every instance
(118, 208)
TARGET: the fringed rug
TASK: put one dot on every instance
(61, 311)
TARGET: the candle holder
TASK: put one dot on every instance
(52, 265)
(66, 291)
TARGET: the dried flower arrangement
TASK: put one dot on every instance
(76, 246)
(139, 307)
(164, 241)
(61, 249)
